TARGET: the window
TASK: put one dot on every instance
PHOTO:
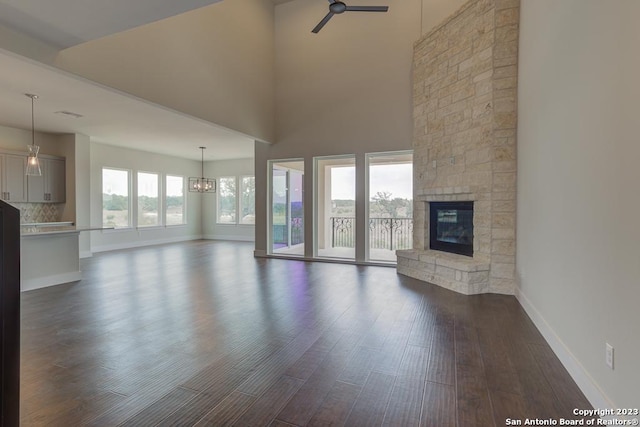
(236, 200)
(287, 207)
(116, 204)
(335, 196)
(174, 200)
(248, 200)
(148, 195)
(390, 213)
(227, 200)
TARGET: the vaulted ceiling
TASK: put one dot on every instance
(65, 23)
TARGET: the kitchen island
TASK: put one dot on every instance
(49, 254)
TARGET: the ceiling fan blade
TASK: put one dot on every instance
(322, 23)
(367, 8)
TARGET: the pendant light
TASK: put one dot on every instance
(33, 163)
(202, 184)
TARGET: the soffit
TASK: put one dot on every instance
(109, 116)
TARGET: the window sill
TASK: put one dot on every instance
(117, 230)
(150, 227)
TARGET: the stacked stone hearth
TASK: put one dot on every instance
(465, 86)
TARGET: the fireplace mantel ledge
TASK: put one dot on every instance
(447, 194)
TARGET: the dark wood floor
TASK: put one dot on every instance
(202, 333)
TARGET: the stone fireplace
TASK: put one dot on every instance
(465, 87)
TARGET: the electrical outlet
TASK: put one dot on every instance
(609, 356)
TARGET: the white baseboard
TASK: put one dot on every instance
(86, 254)
(580, 375)
(43, 282)
(235, 238)
(141, 243)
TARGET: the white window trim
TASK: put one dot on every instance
(130, 175)
(239, 198)
(218, 192)
(160, 223)
(184, 201)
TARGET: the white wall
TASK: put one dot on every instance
(345, 90)
(109, 156)
(18, 139)
(214, 63)
(348, 87)
(82, 189)
(237, 168)
(68, 143)
(578, 257)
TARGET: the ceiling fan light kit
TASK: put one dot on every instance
(337, 7)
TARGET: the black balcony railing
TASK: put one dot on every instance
(281, 233)
(384, 233)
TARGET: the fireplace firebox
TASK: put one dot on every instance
(451, 227)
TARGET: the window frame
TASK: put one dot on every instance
(235, 195)
(130, 213)
(159, 203)
(370, 160)
(240, 192)
(184, 200)
(322, 198)
(238, 199)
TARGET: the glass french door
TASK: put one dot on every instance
(287, 208)
(335, 207)
(390, 204)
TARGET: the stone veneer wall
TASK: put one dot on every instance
(465, 87)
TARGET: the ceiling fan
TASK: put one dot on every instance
(337, 7)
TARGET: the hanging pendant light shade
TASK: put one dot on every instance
(202, 184)
(33, 163)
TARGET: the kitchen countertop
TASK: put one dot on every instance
(27, 230)
(46, 224)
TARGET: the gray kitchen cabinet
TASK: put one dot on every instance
(50, 187)
(12, 177)
(54, 183)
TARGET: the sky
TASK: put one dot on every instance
(396, 179)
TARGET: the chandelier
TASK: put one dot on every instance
(202, 184)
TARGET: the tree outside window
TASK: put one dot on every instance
(248, 200)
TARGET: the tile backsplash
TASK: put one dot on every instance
(39, 212)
